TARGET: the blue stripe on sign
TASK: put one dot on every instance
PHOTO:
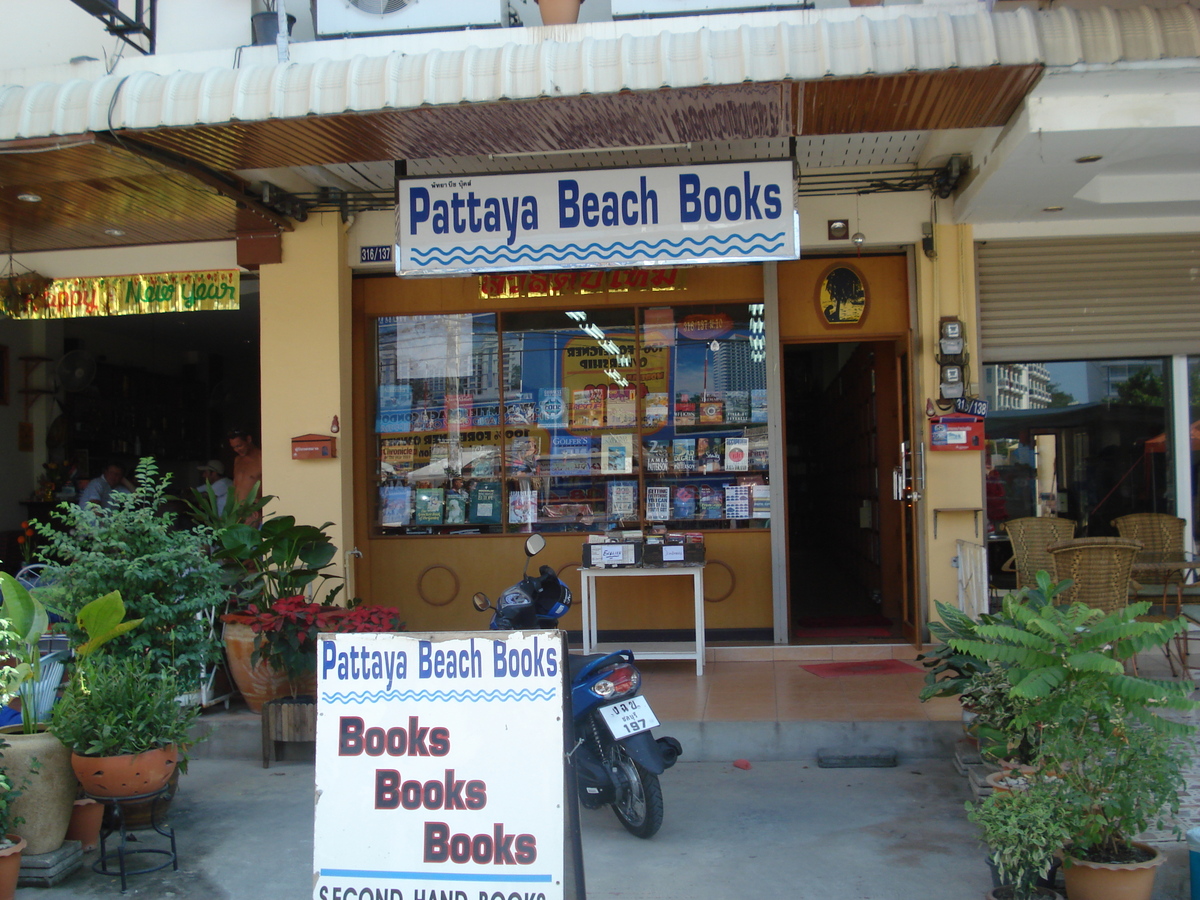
(432, 876)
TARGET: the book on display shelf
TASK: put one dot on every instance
(683, 455)
(616, 453)
(710, 502)
(621, 408)
(683, 502)
(655, 410)
(685, 408)
(712, 408)
(622, 499)
(551, 412)
(570, 455)
(737, 454)
(395, 503)
(658, 456)
(737, 501)
(484, 504)
(520, 410)
(587, 408)
(737, 407)
(658, 503)
(429, 506)
(758, 406)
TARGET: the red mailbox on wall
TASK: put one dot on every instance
(956, 433)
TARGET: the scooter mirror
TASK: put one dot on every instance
(534, 544)
(481, 601)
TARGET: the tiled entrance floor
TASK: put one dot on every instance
(767, 684)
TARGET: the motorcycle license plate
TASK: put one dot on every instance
(628, 717)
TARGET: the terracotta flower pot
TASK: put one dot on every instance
(45, 801)
(1113, 881)
(559, 12)
(126, 776)
(1005, 892)
(10, 866)
(86, 819)
(259, 683)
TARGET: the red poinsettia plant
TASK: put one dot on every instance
(286, 630)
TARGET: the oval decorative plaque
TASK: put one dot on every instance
(842, 295)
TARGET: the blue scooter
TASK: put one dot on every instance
(616, 758)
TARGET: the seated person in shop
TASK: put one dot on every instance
(215, 482)
(99, 490)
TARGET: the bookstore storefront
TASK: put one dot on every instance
(647, 401)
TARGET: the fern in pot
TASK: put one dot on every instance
(126, 730)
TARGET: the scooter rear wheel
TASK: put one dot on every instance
(639, 804)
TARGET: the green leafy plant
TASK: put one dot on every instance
(1023, 830)
(116, 705)
(9, 793)
(162, 571)
(24, 621)
(1102, 731)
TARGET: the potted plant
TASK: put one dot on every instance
(126, 731)
(163, 572)
(559, 12)
(1023, 830)
(11, 843)
(1119, 761)
(37, 758)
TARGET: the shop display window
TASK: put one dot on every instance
(573, 420)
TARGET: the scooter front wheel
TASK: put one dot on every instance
(639, 803)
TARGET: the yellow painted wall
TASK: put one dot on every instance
(306, 376)
(954, 479)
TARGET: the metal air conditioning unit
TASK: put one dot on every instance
(641, 9)
(347, 18)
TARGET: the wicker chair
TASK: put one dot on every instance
(1100, 568)
(1162, 539)
(1030, 536)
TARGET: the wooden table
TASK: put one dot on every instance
(665, 650)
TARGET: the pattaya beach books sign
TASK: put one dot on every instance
(121, 295)
(607, 218)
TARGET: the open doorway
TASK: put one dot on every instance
(846, 542)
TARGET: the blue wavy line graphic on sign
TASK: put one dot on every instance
(528, 252)
(494, 696)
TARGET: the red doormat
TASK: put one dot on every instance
(844, 627)
(861, 667)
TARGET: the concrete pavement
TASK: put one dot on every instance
(780, 829)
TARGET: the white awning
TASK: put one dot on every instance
(798, 46)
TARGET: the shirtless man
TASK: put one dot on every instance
(247, 464)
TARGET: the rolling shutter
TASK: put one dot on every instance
(1093, 298)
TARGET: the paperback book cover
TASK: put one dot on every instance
(685, 408)
(458, 410)
(395, 506)
(760, 501)
(658, 504)
(737, 501)
(587, 408)
(737, 454)
(456, 507)
(551, 411)
(737, 407)
(484, 505)
(683, 454)
(655, 411)
(622, 408)
(429, 506)
(709, 454)
(657, 456)
(710, 502)
(684, 502)
(758, 406)
(622, 499)
(616, 453)
(712, 408)
(522, 507)
(520, 410)
(570, 455)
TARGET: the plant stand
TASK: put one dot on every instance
(123, 851)
(289, 720)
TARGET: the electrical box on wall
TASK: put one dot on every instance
(955, 433)
(314, 446)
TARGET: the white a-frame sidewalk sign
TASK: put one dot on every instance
(440, 768)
